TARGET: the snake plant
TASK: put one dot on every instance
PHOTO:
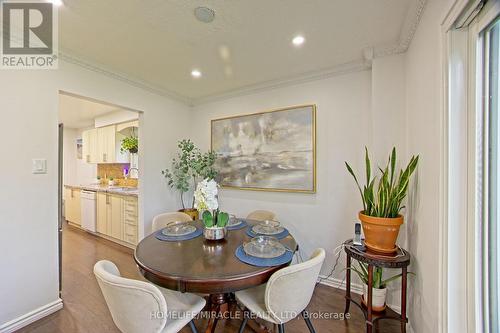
(385, 198)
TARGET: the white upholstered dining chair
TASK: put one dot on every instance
(141, 307)
(286, 294)
(161, 221)
(261, 215)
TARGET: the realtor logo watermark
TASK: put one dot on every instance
(29, 35)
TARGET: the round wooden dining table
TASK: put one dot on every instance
(202, 266)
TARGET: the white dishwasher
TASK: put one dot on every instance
(89, 212)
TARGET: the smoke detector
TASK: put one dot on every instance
(204, 14)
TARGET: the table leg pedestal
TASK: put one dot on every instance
(218, 306)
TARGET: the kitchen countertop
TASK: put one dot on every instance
(121, 190)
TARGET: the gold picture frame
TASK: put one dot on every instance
(311, 183)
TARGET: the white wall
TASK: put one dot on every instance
(28, 203)
(424, 98)
(324, 219)
(116, 117)
(389, 107)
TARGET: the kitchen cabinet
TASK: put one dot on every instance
(102, 213)
(117, 217)
(102, 145)
(109, 215)
(72, 205)
(130, 220)
(89, 146)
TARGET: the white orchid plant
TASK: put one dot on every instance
(207, 203)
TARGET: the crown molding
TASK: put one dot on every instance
(406, 36)
(351, 67)
(101, 69)
(407, 33)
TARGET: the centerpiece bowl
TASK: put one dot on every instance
(215, 233)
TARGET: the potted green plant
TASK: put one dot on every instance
(206, 202)
(379, 290)
(190, 165)
(383, 202)
(130, 144)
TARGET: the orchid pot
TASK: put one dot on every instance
(206, 201)
(215, 233)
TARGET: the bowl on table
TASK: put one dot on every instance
(264, 247)
(178, 228)
(233, 221)
(268, 227)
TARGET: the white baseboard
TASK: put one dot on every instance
(355, 288)
(340, 284)
(31, 317)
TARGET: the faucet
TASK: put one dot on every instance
(128, 173)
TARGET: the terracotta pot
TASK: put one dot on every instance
(191, 212)
(381, 233)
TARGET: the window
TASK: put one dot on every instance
(491, 228)
(471, 288)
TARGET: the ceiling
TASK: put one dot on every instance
(75, 112)
(157, 43)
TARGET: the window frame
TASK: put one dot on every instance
(455, 149)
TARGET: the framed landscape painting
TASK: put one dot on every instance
(268, 151)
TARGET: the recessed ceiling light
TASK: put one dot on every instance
(57, 3)
(204, 14)
(195, 73)
(298, 40)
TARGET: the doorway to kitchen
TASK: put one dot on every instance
(99, 174)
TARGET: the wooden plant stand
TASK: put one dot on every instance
(400, 259)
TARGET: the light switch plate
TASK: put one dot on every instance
(39, 166)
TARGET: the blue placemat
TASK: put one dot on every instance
(192, 235)
(263, 262)
(238, 226)
(281, 235)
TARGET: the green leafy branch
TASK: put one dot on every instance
(190, 166)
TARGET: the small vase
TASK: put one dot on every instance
(215, 233)
(378, 298)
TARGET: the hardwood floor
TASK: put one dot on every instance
(85, 309)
